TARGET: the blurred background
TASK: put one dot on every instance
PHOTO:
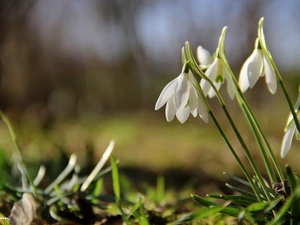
(79, 73)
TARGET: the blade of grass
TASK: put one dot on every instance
(116, 187)
(64, 173)
(200, 214)
(99, 166)
(283, 214)
(241, 191)
(160, 189)
(135, 207)
(115, 177)
(293, 185)
(246, 183)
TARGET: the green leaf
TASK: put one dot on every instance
(294, 184)
(232, 197)
(229, 210)
(246, 183)
(273, 203)
(160, 189)
(243, 192)
(258, 206)
(115, 178)
(136, 206)
(237, 199)
(244, 214)
(283, 214)
(98, 188)
(204, 201)
(203, 213)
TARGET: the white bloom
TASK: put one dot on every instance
(204, 57)
(182, 99)
(289, 132)
(257, 65)
(217, 72)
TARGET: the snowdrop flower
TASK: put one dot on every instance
(289, 133)
(181, 99)
(217, 72)
(204, 57)
(257, 65)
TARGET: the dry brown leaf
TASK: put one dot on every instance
(23, 211)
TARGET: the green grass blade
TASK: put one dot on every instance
(237, 199)
(136, 207)
(200, 214)
(115, 178)
(293, 186)
(98, 188)
(258, 206)
(229, 210)
(246, 183)
(273, 204)
(160, 189)
(243, 192)
(203, 201)
(280, 217)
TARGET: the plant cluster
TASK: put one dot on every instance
(273, 199)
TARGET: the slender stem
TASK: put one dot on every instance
(246, 173)
(265, 140)
(241, 140)
(247, 152)
(18, 150)
(242, 101)
(260, 144)
(250, 115)
(196, 68)
(280, 80)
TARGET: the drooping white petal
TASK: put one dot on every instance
(243, 79)
(202, 109)
(230, 83)
(211, 73)
(170, 109)
(203, 56)
(193, 100)
(194, 112)
(166, 93)
(255, 67)
(212, 92)
(183, 114)
(287, 140)
(271, 79)
(181, 95)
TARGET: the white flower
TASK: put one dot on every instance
(289, 132)
(182, 99)
(217, 72)
(204, 57)
(257, 65)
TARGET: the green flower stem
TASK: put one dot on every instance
(280, 81)
(247, 152)
(18, 150)
(243, 168)
(250, 117)
(242, 101)
(260, 144)
(265, 140)
(196, 68)
(245, 171)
